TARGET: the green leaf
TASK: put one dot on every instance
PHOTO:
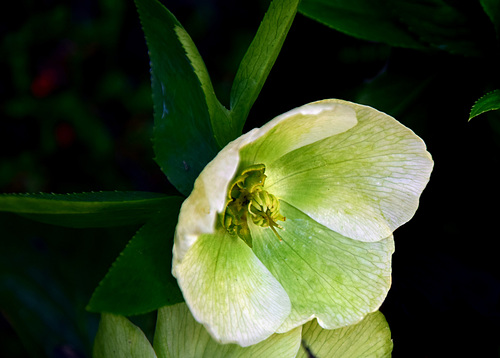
(140, 279)
(219, 115)
(260, 58)
(440, 23)
(489, 102)
(492, 9)
(178, 335)
(370, 20)
(369, 338)
(409, 23)
(47, 274)
(185, 106)
(95, 209)
(117, 337)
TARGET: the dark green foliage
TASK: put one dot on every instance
(183, 137)
(421, 25)
(47, 275)
(140, 280)
(101, 209)
(365, 19)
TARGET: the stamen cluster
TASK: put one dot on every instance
(247, 199)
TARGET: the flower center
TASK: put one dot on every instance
(248, 200)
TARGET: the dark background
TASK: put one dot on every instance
(76, 115)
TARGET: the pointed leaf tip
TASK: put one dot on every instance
(183, 137)
(488, 102)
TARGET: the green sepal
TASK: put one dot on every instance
(488, 102)
(178, 335)
(369, 338)
(140, 280)
(84, 210)
(117, 337)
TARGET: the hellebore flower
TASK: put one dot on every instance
(294, 220)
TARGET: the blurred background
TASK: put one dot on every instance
(76, 115)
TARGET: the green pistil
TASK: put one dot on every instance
(247, 199)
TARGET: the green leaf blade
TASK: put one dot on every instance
(140, 280)
(488, 102)
(419, 25)
(364, 19)
(440, 24)
(492, 9)
(183, 137)
(260, 57)
(83, 210)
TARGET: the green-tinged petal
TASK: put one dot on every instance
(362, 183)
(369, 338)
(178, 335)
(199, 211)
(117, 337)
(230, 291)
(297, 128)
(333, 278)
